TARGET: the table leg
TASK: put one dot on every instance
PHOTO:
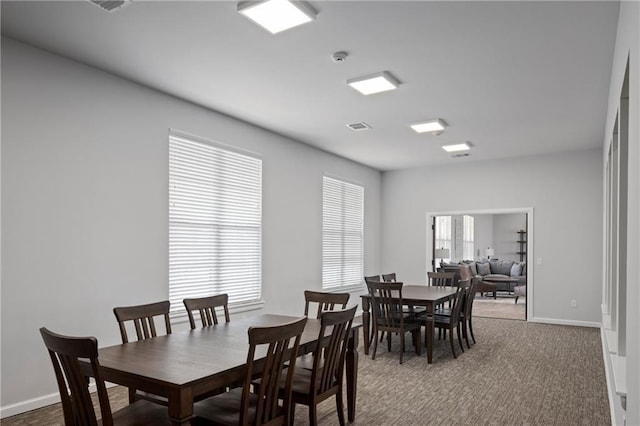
(429, 331)
(365, 324)
(181, 406)
(352, 374)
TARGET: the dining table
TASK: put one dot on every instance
(185, 365)
(413, 295)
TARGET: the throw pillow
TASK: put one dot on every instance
(516, 269)
(483, 268)
(474, 270)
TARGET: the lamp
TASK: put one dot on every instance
(490, 252)
(277, 15)
(441, 253)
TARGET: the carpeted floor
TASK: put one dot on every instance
(502, 307)
(518, 373)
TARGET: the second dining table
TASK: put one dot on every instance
(413, 295)
(184, 365)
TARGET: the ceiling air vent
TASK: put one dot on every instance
(359, 126)
(110, 5)
(463, 154)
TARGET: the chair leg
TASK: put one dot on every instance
(388, 341)
(292, 413)
(471, 329)
(416, 341)
(401, 347)
(375, 345)
(132, 395)
(339, 407)
(313, 414)
(453, 349)
(465, 332)
(459, 337)
(517, 299)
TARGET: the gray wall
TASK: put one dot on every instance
(505, 228)
(483, 233)
(85, 207)
(565, 191)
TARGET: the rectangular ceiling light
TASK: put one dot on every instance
(429, 126)
(374, 83)
(277, 15)
(458, 147)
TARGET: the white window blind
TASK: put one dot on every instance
(467, 238)
(443, 235)
(215, 222)
(342, 233)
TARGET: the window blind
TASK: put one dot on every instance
(468, 246)
(342, 233)
(443, 234)
(215, 222)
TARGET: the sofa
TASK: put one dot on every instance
(505, 274)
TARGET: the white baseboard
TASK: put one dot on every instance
(592, 324)
(39, 402)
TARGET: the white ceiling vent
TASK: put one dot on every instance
(359, 126)
(462, 154)
(110, 5)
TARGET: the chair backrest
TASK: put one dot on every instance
(278, 342)
(142, 317)
(387, 304)
(372, 279)
(441, 279)
(389, 278)
(328, 361)
(73, 384)
(325, 301)
(458, 304)
(206, 307)
(470, 297)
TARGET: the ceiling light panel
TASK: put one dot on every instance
(374, 83)
(277, 15)
(429, 126)
(457, 147)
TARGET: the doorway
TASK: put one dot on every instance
(500, 240)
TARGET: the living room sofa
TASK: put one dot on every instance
(505, 274)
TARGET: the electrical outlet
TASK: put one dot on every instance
(574, 303)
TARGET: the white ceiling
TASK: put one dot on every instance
(513, 78)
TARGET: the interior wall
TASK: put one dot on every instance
(565, 192)
(628, 46)
(85, 207)
(505, 236)
(483, 233)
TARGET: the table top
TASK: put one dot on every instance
(424, 293)
(185, 357)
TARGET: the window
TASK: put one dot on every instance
(467, 238)
(342, 233)
(443, 234)
(215, 222)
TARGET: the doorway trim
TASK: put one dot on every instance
(530, 246)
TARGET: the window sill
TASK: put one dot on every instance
(346, 289)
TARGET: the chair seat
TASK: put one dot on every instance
(223, 409)
(141, 413)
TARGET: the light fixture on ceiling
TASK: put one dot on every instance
(457, 147)
(277, 15)
(434, 126)
(374, 83)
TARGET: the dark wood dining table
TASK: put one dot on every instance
(412, 295)
(184, 365)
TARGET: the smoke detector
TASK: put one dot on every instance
(339, 56)
(359, 126)
(110, 5)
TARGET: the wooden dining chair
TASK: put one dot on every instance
(271, 349)
(324, 380)
(206, 307)
(73, 385)
(372, 278)
(441, 279)
(142, 317)
(388, 316)
(389, 278)
(325, 301)
(467, 312)
(451, 322)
